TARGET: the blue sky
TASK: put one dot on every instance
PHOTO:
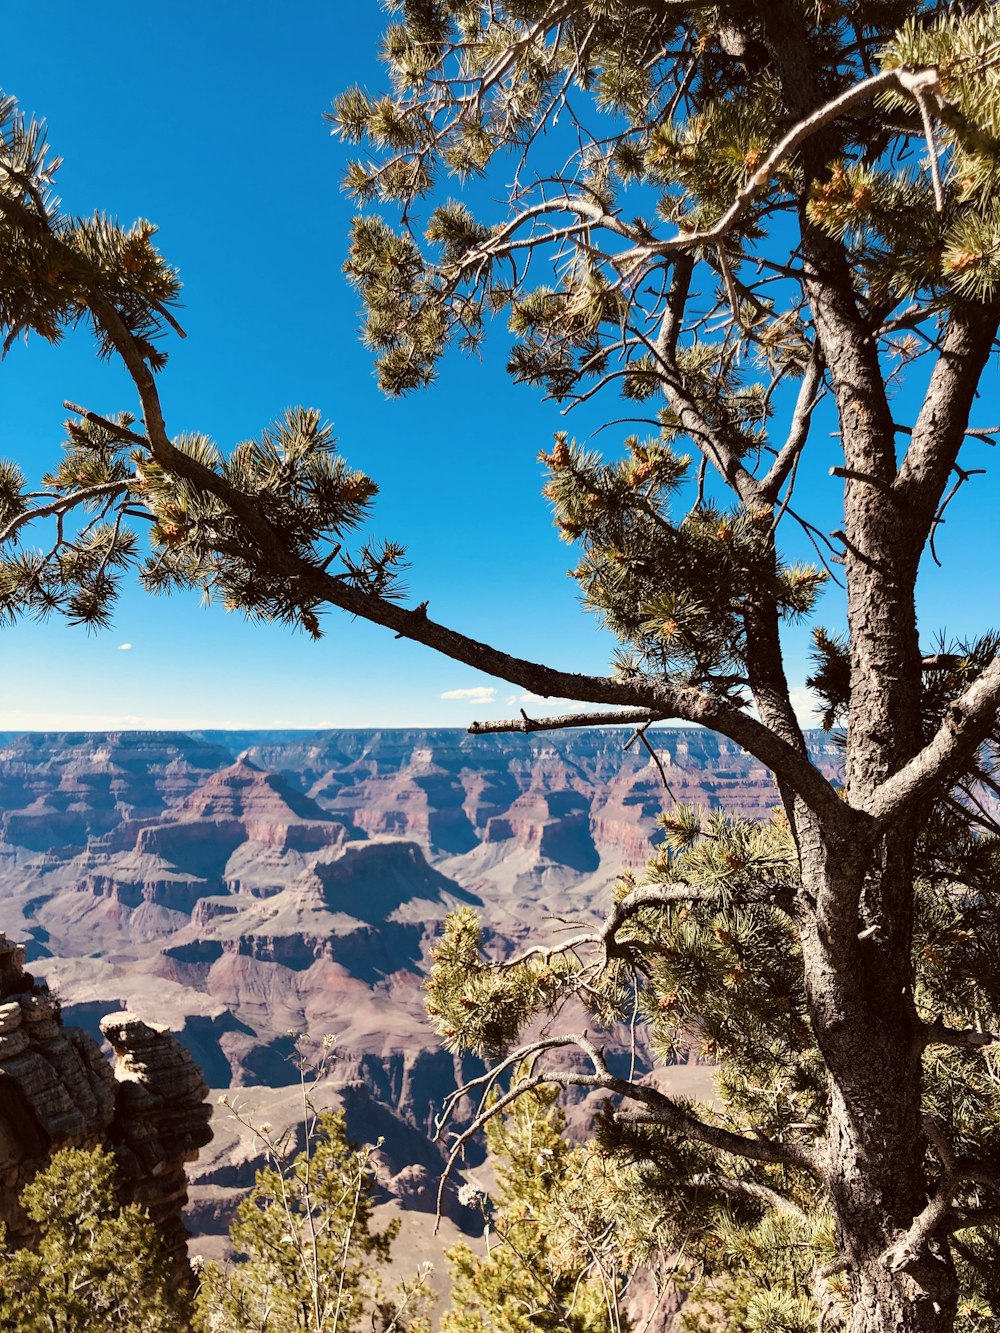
(207, 119)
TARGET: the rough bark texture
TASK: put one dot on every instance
(856, 917)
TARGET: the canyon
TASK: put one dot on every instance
(242, 888)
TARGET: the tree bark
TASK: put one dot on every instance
(857, 908)
(861, 1006)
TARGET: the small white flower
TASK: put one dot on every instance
(469, 1196)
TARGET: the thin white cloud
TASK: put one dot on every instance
(476, 694)
(808, 708)
(124, 647)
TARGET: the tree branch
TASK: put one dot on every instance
(61, 505)
(638, 900)
(657, 1108)
(967, 723)
(752, 1190)
(914, 82)
(659, 698)
(941, 425)
(724, 455)
(938, 1033)
(112, 427)
(908, 1249)
(528, 724)
(798, 432)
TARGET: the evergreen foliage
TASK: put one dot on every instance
(719, 966)
(307, 1257)
(57, 272)
(553, 1250)
(97, 1267)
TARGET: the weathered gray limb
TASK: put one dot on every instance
(809, 395)
(913, 82)
(638, 900)
(939, 1034)
(942, 422)
(640, 735)
(112, 427)
(563, 720)
(907, 1251)
(655, 1107)
(967, 723)
(750, 1188)
(710, 439)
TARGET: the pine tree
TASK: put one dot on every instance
(548, 1261)
(306, 1256)
(97, 1267)
(742, 216)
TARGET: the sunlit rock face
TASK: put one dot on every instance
(57, 1090)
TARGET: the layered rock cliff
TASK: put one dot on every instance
(57, 1090)
(246, 886)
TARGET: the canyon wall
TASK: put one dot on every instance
(245, 887)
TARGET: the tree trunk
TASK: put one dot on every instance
(861, 1003)
(876, 1190)
(886, 1302)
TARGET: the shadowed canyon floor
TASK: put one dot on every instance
(244, 886)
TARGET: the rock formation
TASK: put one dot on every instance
(57, 1090)
(242, 886)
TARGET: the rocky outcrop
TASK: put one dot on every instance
(57, 1090)
(261, 882)
(160, 1119)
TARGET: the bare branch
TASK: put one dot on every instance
(908, 1249)
(966, 724)
(680, 285)
(638, 900)
(486, 1113)
(655, 1108)
(112, 427)
(723, 454)
(658, 1109)
(750, 1188)
(915, 82)
(640, 735)
(810, 392)
(563, 720)
(942, 423)
(938, 1033)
